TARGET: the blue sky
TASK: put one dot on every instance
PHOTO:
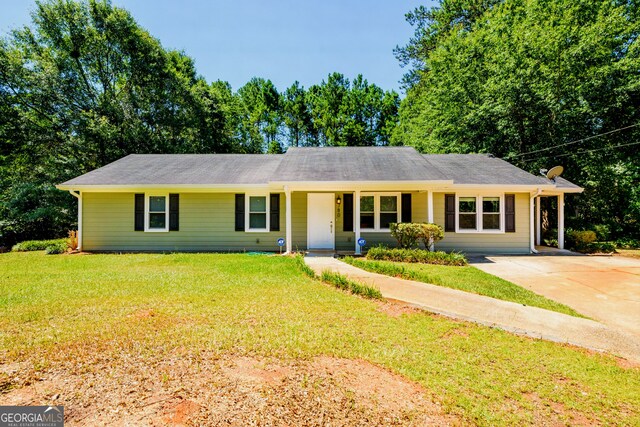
(283, 40)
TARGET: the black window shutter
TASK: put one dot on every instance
(510, 213)
(139, 213)
(274, 212)
(174, 212)
(347, 221)
(406, 207)
(239, 212)
(449, 212)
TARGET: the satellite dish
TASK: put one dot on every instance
(555, 172)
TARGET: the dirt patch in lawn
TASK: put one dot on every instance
(395, 308)
(204, 389)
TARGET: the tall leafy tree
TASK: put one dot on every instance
(84, 86)
(521, 78)
(297, 116)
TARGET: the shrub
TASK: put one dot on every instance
(406, 233)
(409, 234)
(380, 253)
(56, 248)
(580, 239)
(36, 245)
(602, 232)
(600, 247)
(628, 243)
(341, 282)
(431, 233)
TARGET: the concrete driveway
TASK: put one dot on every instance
(602, 287)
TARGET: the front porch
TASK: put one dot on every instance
(330, 219)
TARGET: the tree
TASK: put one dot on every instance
(297, 117)
(262, 118)
(85, 85)
(527, 76)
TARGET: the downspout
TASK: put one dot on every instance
(532, 221)
(78, 195)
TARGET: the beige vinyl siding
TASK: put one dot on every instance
(517, 242)
(207, 223)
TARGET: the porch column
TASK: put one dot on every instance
(78, 196)
(79, 221)
(532, 221)
(356, 196)
(538, 222)
(561, 221)
(430, 207)
(288, 232)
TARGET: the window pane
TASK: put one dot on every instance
(157, 203)
(157, 220)
(387, 218)
(366, 204)
(258, 220)
(467, 204)
(491, 204)
(258, 204)
(467, 221)
(388, 204)
(491, 221)
(366, 220)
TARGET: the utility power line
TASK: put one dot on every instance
(572, 142)
(594, 150)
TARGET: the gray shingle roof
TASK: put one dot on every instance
(355, 164)
(183, 169)
(486, 170)
(311, 164)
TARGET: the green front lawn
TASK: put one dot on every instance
(468, 279)
(113, 310)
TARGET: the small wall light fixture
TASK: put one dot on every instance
(338, 201)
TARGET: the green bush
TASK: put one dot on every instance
(602, 232)
(628, 243)
(37, 245)
(600, 247)
(406, 233)
(431, 233)
(56, 248)
(409, 234)
(580, 240)
(381, 253)
(341, 282)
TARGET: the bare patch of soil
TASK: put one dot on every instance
(396, 308)
(208, 390)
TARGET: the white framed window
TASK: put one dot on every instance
(257, 212)
(156, 216)
(479, 213)
(378, 210)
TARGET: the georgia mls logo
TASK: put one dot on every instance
(31, 416)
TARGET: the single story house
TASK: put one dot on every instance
(314, 198)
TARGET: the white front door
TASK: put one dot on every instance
(320, 221)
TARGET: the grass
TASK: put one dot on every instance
(341, 282)
(633, 253)
(468, 279)
(57, 309)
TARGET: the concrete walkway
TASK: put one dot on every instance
(513, 317)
